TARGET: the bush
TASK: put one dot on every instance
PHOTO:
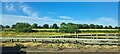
(19, 46)
(23, 27)
(78, 46)
(58, 47)
(68, 28)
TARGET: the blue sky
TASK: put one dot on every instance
(60, 0)
(103, 13)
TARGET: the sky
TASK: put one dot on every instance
(60, 0)
(102, 13)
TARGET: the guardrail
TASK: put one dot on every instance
(85, 41)
(56, 38)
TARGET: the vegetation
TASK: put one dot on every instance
(55, 26)
(69, 28)
(72, 28)
(35, 25)
(32, 34)
(50, 47)
(48, 31)
(63, 28)
(19, 46)
(7, 26)
(46, 26)
(23, 27)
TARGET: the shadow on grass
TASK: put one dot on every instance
(12, 50)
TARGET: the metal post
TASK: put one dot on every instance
(35, 40)
(17, 40)
(77, 35)
(106, 36)
(115, 36)
(97, 36)
(91, 36)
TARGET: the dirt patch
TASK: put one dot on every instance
(67, 47)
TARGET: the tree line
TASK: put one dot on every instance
(64, 27)
(35, 25)
(55, 26)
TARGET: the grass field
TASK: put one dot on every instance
(32, 34)
(54, 32)
(44, 34)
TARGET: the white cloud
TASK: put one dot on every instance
(107, 21)
(10, 7)
(42, 20)
(27, 10)
(65, 17)
(12, 19)
(21, 7)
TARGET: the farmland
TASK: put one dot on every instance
(55, 32)
(53, 40)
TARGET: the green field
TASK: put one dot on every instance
(55, 32)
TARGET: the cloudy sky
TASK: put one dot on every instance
(103, 13)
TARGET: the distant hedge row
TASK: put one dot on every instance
(84, 31)
(64, 28)
(79, 31)
(45, 30)
(99, 31)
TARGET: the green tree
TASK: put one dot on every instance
(7, 26)
(35, 25)
(13, 26)
(1, 26)
(97, 26)
(63, 28)
(101, 26)
(70, 23)
(45, 26)
(72, 28)
(63, 23)
(69, 28)
(116, 27)
(110, 27)
(106, 27)
(23, 27)
(92, 26)
(40, 27)
(85, 26)
(79, 26)
(55, 26)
